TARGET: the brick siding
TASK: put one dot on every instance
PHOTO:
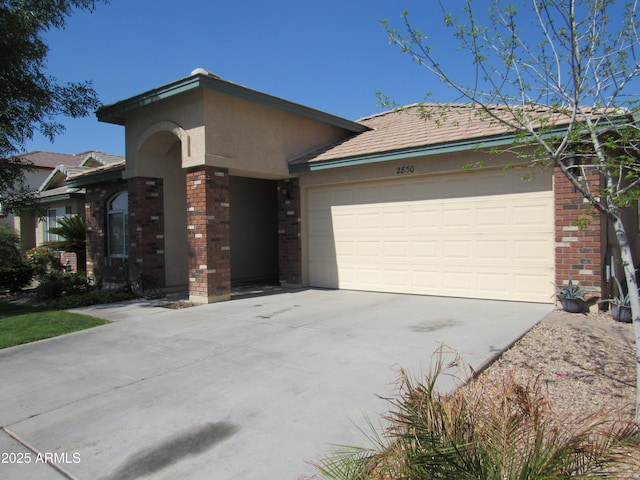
(100, 267)
(146, 229)
(208, 234)
(289, 235)
(579, 251)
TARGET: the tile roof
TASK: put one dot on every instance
(90, 161)
(101, 157)
(97, 170)
(51, 159)
(419, 125)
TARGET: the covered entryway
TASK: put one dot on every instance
(254, 231)
(477, 234)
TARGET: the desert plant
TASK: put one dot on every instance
(620, 304)
(622, 299)
(571, 290)
(488, 429)
(72, 229)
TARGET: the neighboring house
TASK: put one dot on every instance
(43, 163)
(59, 200)
(48, 178)
(224, 185)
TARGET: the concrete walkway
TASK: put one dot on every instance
(248, 389)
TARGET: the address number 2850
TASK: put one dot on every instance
(404, 169)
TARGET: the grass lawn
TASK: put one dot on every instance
(23, 324)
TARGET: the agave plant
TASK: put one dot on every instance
(620, 305)
(501, 429)
(571, 290)
(73, 231)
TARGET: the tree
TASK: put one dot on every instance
(31, 101)
(560, 75)
(73, 230)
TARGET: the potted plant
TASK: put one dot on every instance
(620, 305)
(571, 297)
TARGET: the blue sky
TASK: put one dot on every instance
(332, 55)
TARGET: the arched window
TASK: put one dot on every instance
(117, 223)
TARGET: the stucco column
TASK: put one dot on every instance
(208, 234)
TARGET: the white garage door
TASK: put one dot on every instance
(474, 234)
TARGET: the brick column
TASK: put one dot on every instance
(146, 228)
(111, 272)
(208, 234)
(579, 251)
(289, 235)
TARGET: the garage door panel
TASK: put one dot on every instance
(456, 250)
(425, 250)
(493, 216)
(425, 217)
(532, 215)
(528, 250)
(368, 221)
(493, 250)
(399, 236)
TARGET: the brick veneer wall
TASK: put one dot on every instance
(110, 271)
(579, 251)
(69, 261)
(208, 234)
(146, 229)
(289, 235)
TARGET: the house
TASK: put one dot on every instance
(57, 199)
(224, 185)
(43, 164)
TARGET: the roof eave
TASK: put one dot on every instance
(427, 150)
(116, 112)
(61, 196)
(84, 180)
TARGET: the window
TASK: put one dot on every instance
(117, 221)
(51, 221)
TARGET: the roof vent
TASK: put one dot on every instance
(202, 71)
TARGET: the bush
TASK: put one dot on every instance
(95, 297)
(15, 277)
(55, 283)
(15, 272)
(43, 260)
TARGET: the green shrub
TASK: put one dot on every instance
(15, 277)
(55, 283)
(95, 297)
(43, 260)
(15, 272)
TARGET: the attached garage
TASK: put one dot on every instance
(478, 234)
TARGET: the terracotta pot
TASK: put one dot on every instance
(621, 313)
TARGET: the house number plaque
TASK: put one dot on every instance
(404, 169)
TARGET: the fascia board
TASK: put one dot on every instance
(115, 113)
(98, 177)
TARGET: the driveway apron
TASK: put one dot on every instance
(254, 388)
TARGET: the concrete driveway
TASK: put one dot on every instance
(248, 389)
